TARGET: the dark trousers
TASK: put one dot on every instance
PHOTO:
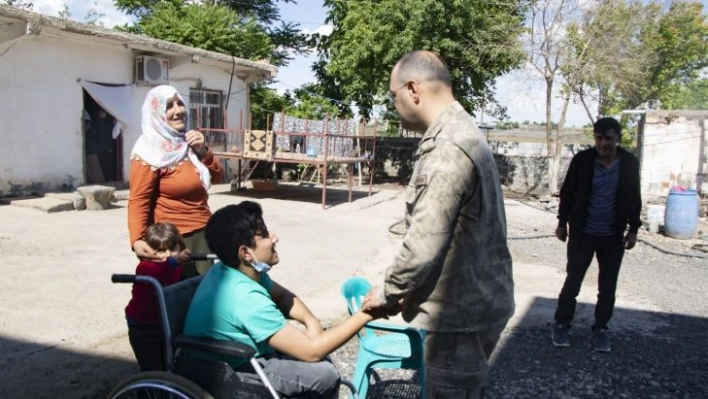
(457, 364)
(108, 164)
(581, 248)
(148, 345)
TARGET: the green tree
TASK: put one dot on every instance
(692, 96)
(264, 10)
(306, 102)
(94, 17)
(64, 13)
(478, 40)
(549, 52)
(310, 103)
(328, 86)
(663, 48)
(27, 5)
(285, 38)
(210, 27)
(265, 102)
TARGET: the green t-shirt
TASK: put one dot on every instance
(228, 305)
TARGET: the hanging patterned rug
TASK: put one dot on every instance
(258, 144)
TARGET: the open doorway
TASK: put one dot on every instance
(103, 148)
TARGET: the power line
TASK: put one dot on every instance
(314, 94)
(698, 136)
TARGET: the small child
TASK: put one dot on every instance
(142, 313)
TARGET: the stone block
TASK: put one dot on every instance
(121, 195)
(97, 197)
(46, 204)
(77, 199)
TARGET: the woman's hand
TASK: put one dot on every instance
(195, 139)
(145, 252)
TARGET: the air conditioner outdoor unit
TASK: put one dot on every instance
(152, 70)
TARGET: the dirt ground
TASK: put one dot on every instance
(62, 330)
(62, 327)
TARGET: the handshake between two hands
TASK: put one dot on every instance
(375, 305)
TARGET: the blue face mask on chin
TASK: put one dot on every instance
(260, 267)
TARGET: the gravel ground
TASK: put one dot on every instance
(668, 362)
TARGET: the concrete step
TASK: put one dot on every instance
(58, 202)
(46, 204)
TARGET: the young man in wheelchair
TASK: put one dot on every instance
(238, 301)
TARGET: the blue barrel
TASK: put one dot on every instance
(681, 216)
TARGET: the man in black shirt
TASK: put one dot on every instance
(599, 198)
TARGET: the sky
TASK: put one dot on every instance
(520, 92)
(523, 96)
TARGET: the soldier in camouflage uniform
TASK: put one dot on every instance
(453, 273)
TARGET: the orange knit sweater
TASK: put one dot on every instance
(182, 199)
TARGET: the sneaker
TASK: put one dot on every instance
(561, 335)
(601, 340)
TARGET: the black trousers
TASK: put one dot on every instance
(108, 164)
(149, 346)
(581, 249)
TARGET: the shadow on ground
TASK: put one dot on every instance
(654, 355)
(304, 192)
(30, 370)
(661, 356)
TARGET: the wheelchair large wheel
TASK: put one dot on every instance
(158, 385)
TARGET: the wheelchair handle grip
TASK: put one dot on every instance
(123, 278)
(202, 257)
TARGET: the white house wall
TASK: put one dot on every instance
(40, 110)
(41, 106)
(671, 153)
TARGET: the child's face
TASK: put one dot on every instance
(166, 253)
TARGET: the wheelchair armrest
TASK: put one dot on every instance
(218, 346)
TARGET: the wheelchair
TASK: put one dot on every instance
(188, 377)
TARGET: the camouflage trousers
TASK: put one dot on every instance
(457, 364)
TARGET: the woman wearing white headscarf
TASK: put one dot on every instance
(170, 172)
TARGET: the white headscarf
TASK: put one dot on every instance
(161, 146)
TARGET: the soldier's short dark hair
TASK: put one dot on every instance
(425, 66)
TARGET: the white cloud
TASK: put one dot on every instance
(79, 9)
(324, 30)
(280, 89)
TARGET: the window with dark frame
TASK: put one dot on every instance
(206, 112)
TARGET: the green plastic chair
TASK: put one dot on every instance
(399, 348)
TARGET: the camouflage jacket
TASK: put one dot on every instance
(454, 268)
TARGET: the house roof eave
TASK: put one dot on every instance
(39, 24)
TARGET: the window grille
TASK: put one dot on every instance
(206, 112)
